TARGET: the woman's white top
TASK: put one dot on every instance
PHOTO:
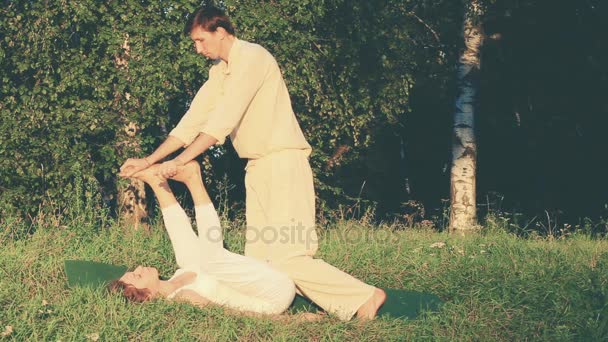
(222, 294)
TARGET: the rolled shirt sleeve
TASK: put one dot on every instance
(197, 115)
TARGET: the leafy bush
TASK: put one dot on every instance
(90, 84)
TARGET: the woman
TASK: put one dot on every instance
(207, 272)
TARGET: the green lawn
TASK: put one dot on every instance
(496, 287)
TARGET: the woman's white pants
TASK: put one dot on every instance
(224, 278)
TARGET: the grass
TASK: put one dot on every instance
(496, 287)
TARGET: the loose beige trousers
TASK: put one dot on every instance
(281, 231)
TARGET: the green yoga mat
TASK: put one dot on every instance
(90, 273)
(399, 303)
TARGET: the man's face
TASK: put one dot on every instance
(207, 43)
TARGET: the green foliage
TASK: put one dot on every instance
(350, 66)
(75, 74)
(67, 99)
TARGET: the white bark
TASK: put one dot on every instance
(132, 195)
(463, 213)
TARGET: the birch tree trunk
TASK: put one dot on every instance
(131, 194)
(463, 208)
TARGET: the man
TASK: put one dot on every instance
(246, 98)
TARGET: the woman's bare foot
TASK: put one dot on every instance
(150, 176)
(368, 310)
(188, 173)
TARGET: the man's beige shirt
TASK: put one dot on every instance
(247, 99)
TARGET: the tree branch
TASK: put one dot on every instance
(425, 25)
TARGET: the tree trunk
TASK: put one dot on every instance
(131, 194)
(463, 209)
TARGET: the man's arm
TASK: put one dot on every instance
(170, 145)
(134, 165)
(168, 169)
(244, 82)
(183, 134)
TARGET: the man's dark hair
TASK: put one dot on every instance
(209, 18)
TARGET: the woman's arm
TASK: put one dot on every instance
(190, 296)
(170, 286)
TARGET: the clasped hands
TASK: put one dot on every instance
(167, 169)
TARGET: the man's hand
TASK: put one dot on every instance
(132, 166)
(168, 169)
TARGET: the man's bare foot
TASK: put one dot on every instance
(368, 310)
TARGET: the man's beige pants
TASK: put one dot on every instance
(281, 231)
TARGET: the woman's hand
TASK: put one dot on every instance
(132, 166)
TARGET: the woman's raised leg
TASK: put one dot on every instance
(177, 223)
(261, 287)
(210, 237)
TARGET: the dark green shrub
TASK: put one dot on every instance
(75, 74)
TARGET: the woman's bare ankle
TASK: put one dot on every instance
(189, 172)
(150, 175)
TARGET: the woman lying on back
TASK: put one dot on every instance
(207, 272)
